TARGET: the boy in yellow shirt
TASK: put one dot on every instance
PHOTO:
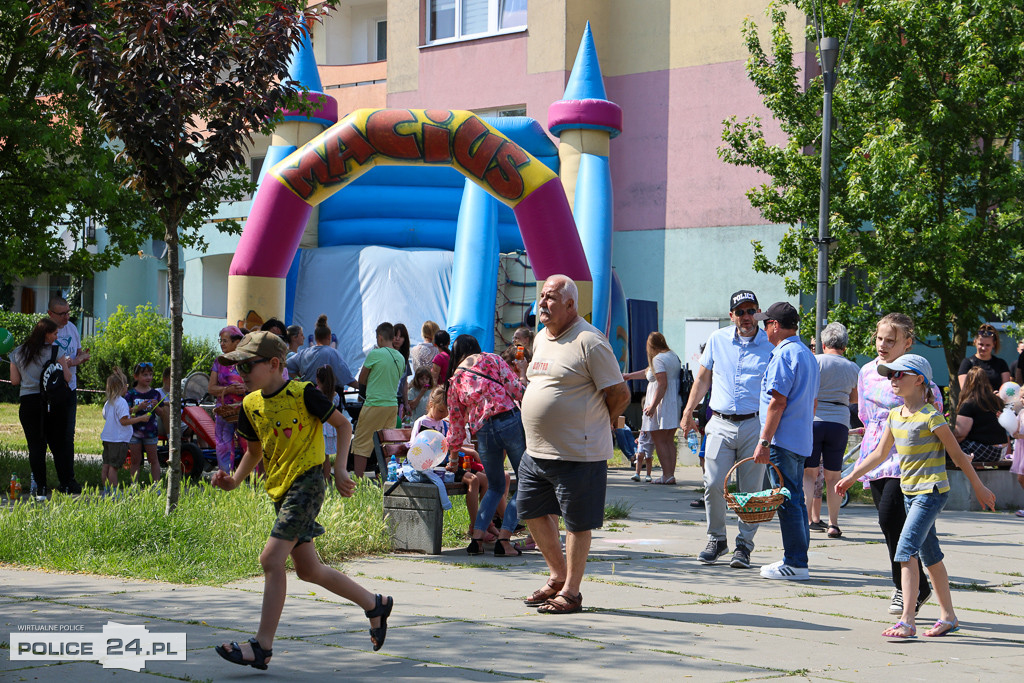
(281, 421)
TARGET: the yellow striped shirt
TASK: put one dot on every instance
(922, 455)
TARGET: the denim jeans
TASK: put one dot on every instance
(796, 537)
(918, 537)
(498, 436)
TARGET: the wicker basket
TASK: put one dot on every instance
(759, 508)
(228, 413)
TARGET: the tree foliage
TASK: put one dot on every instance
(925, 193)
(57, 169)
(183, 87)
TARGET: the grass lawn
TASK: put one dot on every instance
(213, 537)
(88, 426)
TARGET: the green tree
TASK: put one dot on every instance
(926, 194)
(183, 87)
(57, 170)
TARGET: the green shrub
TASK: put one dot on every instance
(124, 339)
(19, 325)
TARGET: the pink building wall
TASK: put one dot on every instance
(481, 74)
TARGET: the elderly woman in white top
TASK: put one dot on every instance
(661, 405)
(837, 389)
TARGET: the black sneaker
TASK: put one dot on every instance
(921, 599)
(73, 488)
(896, 605)
(740, 558)
(699, 503)
(714, 551)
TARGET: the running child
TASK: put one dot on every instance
(279, 420)
(644, 453)
(922, 439)
(325, 382)
(117, 430)
(142, 399)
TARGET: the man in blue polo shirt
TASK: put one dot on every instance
(788, 393)
(735, 357)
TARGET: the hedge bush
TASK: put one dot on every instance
(124, 339)
(19, 325)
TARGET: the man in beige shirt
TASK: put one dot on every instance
(575, 394)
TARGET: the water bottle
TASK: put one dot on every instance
(693, 441)
(393, 469)
(33, 489)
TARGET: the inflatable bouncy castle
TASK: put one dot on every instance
(402, 214)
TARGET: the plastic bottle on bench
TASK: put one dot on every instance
(393, 469)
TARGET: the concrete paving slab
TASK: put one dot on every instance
(651, 610)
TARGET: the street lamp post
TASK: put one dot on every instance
(828, 49)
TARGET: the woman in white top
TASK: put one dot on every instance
(661, 405)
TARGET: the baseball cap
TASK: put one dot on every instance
(908, 362)
(782, 311)
(741, 297)
(256, 345)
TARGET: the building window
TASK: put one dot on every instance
(382, 40)
(455, 19)
(501, 112)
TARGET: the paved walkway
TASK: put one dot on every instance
(652, 612)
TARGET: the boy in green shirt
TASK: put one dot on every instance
(381, 373)
(281, 420)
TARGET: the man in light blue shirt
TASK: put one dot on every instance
(735, 357)
(788, 394)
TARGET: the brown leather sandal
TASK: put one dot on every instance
(539, 597)
(562, 603)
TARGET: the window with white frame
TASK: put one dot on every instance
(455, 19)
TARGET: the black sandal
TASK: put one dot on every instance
(260, 656)
(383, 610)
(475, 547)
(499, 548)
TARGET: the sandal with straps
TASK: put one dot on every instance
(893, 631)
(383, 610)
(234, 655)
(562, 603)
(542, 595)
(499, 548)
(954, 626)
(834, 531)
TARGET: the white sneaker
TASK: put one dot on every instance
(781, 570)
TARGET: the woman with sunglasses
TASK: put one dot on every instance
(894, 335)
(986, 345)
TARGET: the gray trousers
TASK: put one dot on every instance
(728, 442)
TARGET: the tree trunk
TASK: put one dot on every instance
(174, 428)
(954, 352)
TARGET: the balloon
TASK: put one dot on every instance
(1009, 392)
(1008, 420)
(6, 341)
(426, 449)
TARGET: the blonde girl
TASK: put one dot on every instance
(922, 439)
(117, 430)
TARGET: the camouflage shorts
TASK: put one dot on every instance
(297, 511)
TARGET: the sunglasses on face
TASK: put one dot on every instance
(744, 311)
(246, 367)
(900, 374)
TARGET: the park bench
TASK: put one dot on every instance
(996, 476)
(412, 511)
